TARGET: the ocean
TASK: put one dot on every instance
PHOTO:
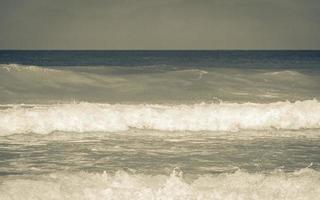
(175, 125)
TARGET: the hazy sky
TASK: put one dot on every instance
(159, 24)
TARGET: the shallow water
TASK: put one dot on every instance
(157, 153)
(144, 165)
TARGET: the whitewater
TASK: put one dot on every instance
(86, 117)
(159, 125)
(302, 184)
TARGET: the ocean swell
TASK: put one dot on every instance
(89, 117)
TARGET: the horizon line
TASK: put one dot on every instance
(159, 49)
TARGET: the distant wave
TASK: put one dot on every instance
(302, 184)
(87, 117)
(198, 72)
(286, 74)
(31, 68)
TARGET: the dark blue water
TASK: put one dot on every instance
(187, 59)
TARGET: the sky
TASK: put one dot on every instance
(159, 24)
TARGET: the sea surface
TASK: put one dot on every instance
(159, 125)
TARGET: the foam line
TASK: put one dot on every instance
(89, 117)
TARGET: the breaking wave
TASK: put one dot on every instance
(24, 68)
(90, 117)
(302, 184)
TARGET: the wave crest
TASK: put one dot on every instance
(25, 68)
(88, 117)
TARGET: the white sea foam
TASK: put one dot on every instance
(284, 72)
(87, 117)
(25, 68)
(302, 184)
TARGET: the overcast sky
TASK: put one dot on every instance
(159, 24)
